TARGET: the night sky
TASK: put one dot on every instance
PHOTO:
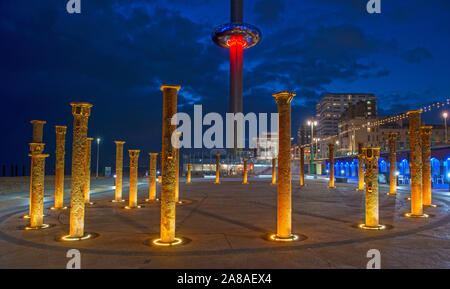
(116, 54)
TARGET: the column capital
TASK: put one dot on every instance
(153, 154)
(119, 142)
(38, 122)
(392, 135)
(371, 152)
(170, 86)
(134, 153)
(60, 129)
(37, 148)
(419, 111)
(81, 108)
(217, 154)
(426, 129)
(331, 145)
(284, 96)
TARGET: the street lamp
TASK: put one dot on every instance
(312, 123)
(445, 115)
(98, 150)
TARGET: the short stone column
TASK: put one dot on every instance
(81, 112)
(284, 197)
(133, 190)
(177, 162)
(416, 164)
(274, 171)
(217, 169)
(392, 137)
(425, 133)
(60, 153)
(360, 167)
(152, 177)
(331, 160)
(371, 156)
(169, 167)
(119, 172)
(189, 172)
(87, 173)
(37, 187)
(302, 166)
(245, 177)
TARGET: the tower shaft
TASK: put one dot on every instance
(236, 78)
(237, 11)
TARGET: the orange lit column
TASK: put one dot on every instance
(360, 167)
(152, 178)
(302, 166)
(274, 171)
(245, 182)
(59, 166)
(425, 132)
(331, 160)
(119, 171)
(87, 173)
(133, 189)
(416, 164)
(169, 166)
(189, 171)
(392, 137)
(284, 198)
(217, 168)
(81, 113)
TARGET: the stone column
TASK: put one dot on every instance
(81, 113)
(169, 166)
(87, 172)
(302, 166)
(217, 168)
(152, 178)
(59, 166)
(371, 156)
(245, 179)
(392, 137)
(284, 201)
(416, 164)
(160, 167)
(177, 162)
(274, 171)
(133, 190)
(37, 186)
(38, 132)
(189, 171)
(425, 132)
(119, 171)
(331, 160)
(360, 167)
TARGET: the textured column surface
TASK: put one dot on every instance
(169, 166)
(302, 166)
(119, 171)
(59, 165)
(217, 169)
(152, 177)
(425, 132)
(245, 178)
(37, 185)
(133, 190)
(284, 201)
(81, 113)
(38, 130)
(331, 160)
(416, 163)
(360, 167)
(87, 172)
(177, 163)
(392, 137)
(371, 178)
(274, 171)
(189, 172)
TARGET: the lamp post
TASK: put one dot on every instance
(98, 150)
(445, 115)
(312, 123)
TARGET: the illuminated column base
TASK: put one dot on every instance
(189, 172)
(376, 228)
(410, 215)
(176, 242)
(41, 227)
(292, 238)
(85, 237)
(245, 181)
(274, 172)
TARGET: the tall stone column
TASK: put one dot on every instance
(81, 112)
(87, 173)
(189, 172)
(331, 160)
(133, 190)
(119, 172)
(360, 167)
(284, 198)
(425, 133)
(177, 162)
(302, 166)
(152, 178)
(274, 171)
(169, 167)
(416, 164)
(371, 156)
(59, 166)
(392, 137)
(217, 168)
(37, 186)
(245, 178)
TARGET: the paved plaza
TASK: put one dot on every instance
(225, 226)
